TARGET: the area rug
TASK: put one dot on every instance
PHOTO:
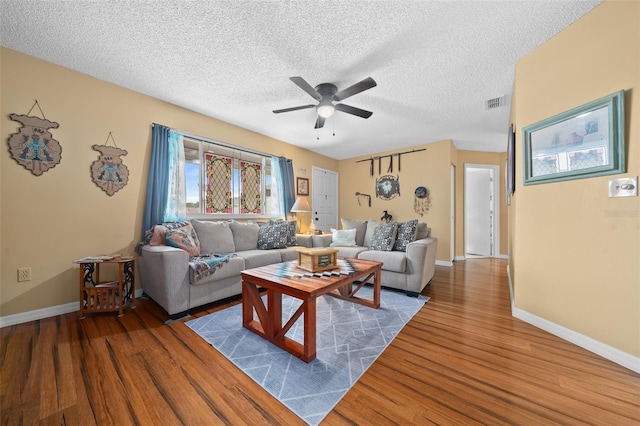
(350, 337)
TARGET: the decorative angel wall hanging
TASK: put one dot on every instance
(108, 171)
(33, 146)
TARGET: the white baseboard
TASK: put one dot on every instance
(612, 354)
(502, 256)
(39, 314)
(444, 263)
(460, 258)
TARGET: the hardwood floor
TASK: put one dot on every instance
(461, 360)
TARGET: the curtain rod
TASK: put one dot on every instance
(391, 155)
(215, 142)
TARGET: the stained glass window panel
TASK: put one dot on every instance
(219, 197)
(250, 179)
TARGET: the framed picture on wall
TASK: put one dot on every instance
(302, 186)
(583, 142)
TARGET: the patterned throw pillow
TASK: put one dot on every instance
(291, 236)
(293, 228)
(384, 236)
(184, 238)
(273, 236)
(406, 233)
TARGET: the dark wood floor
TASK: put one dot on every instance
(461, 360)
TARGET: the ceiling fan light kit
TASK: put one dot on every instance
(326, 94)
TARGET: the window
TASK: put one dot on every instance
(227, 181)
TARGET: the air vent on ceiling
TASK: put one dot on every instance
(495, 102)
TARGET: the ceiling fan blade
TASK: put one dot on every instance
(353, 110)
(319, 122)
(365, 84)
(301, 83)
(278, 111)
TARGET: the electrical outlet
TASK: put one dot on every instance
(24, 274)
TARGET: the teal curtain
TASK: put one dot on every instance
(163, 185)
(283, 173)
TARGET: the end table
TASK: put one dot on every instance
(106, 296)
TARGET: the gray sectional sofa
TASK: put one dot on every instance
(169, 277)
(408, 267)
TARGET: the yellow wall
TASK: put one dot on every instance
(430, 168)
(48, 221)
(576, 253)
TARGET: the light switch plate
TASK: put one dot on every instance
(623, 187)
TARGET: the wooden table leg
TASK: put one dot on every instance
(309, 330)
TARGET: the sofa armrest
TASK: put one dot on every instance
(164, 273)
(322, 240)
(304, 240)
(421, 263)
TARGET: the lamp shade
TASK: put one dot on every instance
(301, 205)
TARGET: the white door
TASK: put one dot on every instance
(480, 210)
(324, 206)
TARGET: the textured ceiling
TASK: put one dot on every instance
(436, 62)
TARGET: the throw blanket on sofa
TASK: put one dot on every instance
(205, 265)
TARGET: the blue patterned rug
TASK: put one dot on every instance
(350, 337)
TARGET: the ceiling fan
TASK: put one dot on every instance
(326, 94)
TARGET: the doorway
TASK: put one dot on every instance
(481, 210)
(324, 207)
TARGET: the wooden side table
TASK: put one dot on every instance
(106, 296)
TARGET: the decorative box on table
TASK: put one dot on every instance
(317, 259)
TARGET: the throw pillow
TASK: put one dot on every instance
(384, 236)
(245, 235)
(291, 234)
(214, 237)
(423, 231)
(406, 233)
(359, 225)
(371, 227)
(343, 238)
(184, 238)
(158, 236)
(273, 236)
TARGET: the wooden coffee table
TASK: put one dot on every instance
(287, 278)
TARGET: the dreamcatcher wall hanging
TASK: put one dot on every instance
(387, 187)
(108, 171)
(422, 200)
(33, 146)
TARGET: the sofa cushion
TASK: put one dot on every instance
(343, 238)
(371, 227)
(245, 235)
(231, 268)
(273, 236)
(288, 254)
(184, 238)
(384, 237)
(359, 225)
(256, 258)
(215, 237)
(394, 261)
(351, 251)
(406, 234)
(423, 231)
